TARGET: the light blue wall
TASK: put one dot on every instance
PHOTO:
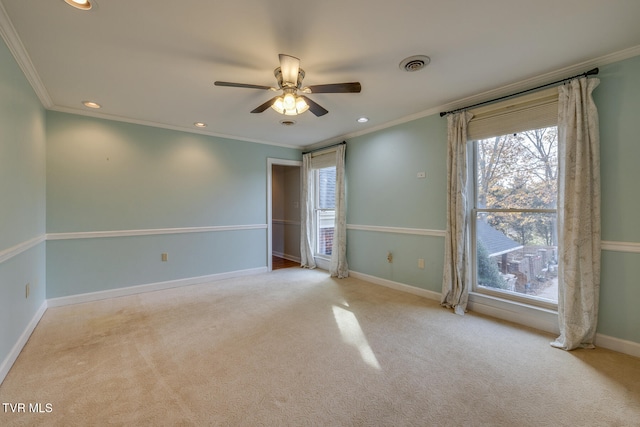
(22, 201)
(383, 190)
(105, 176)
(618, 101)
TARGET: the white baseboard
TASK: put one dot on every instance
(616, 344)
(542, 319)
(396, 285)
(132, 290)
(545, 320)
(8, 362)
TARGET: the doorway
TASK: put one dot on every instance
(283, 213)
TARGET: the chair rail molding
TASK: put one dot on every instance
(149, 232)
(9, 253)
(397, 230)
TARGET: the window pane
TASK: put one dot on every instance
(325, 209)
(327, 188)
(325, 221)
(518, 253)
(518, 171)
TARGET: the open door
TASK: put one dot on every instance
(283, 211)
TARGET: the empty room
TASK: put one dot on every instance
(341, 213)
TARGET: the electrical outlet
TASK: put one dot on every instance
(27, 291)
(420, 263)
(165, 257)
(389, 257)
(421, 175)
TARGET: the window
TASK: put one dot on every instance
(514, 214)
(325, 197)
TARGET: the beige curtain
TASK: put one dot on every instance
(307, 235)
(578, 215)
(457, 271)
(338, 267)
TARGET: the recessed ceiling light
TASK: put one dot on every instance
(79, 4)
(91, 104)
(200, 125)
(414, 63)
(363, 120)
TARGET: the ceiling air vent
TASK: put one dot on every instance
(414, 63)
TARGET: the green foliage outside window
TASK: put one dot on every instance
(488, 273)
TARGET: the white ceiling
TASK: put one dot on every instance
(154, 61)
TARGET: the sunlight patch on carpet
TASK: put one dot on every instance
(352, 334)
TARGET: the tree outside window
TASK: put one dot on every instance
(516, 196)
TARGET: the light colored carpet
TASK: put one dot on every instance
(294, 347)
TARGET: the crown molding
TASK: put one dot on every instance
(494, 93)
(19, 52)
(542, 79)
(103, 116)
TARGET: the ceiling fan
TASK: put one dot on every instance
(289, 76)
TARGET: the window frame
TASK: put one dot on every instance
(317, 211)
(472, 213)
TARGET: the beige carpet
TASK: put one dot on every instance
(294, 347)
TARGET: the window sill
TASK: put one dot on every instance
(322, 262)
(517, 312)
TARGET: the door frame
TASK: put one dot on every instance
(270, 163)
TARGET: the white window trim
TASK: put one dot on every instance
(511, 116)
(525, 314)
(319, 160)
(326, 163)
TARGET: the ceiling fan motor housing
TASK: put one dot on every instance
(282, 84)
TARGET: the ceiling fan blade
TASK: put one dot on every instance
(289, 66)
(353, 87)
(264, 106)
(314, 107)
(249, 86)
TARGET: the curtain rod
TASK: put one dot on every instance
(588, 73)
(324, 148)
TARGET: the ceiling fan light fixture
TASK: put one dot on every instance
(290, 105)
(278, 105)
(301, 105)
(289, 101)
